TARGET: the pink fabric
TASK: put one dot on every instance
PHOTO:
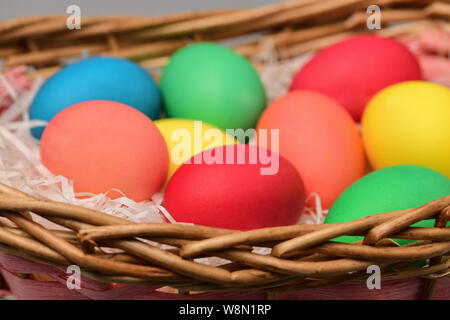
(38, 290)
(17, 81)
(432, 49)
(404, 289)
(90, 289)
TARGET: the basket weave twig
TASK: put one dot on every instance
(301, 256)
(292, 28)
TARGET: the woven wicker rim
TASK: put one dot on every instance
(292, 28)
(302, 255)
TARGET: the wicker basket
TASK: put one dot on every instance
(303, 263)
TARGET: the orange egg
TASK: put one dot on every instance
(319, 138)
(103, 145)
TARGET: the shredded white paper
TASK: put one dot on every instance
(277, 75)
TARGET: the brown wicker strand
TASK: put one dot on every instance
(311, 262)
(389, 227)
(402, 221)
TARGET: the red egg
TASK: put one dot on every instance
(244, 188)
(104, 145)
(354, 70)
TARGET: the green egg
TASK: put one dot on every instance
(212, 83)
(389, 189)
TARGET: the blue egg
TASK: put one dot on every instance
(96, 78)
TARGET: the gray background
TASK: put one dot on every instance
(10, 9)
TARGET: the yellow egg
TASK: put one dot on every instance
(186, 138)
(409, 123)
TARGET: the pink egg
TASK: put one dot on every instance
(102, 145)
(236, 195)
(353, 70)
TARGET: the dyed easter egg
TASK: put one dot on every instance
(353, 70)
(408, 123)
(185, 138)
(237, 187)
(212, 83)
(103, 145)
(96, 78)
(389, 189)
(319, 138)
